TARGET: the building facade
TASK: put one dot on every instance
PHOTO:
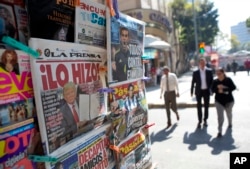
(242, 32)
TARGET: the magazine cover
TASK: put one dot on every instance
(22, 24)
(67, 80)
(135, 152)
(52, 19)
(125, 39)
(129, 109)
(90, 23)
(16, 91)
(13, 21)
(14, 146)
(91, 151)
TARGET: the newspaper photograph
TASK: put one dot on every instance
(125, 39)
(90, 23)
(129, 110)
(16, 92)
(67, 81)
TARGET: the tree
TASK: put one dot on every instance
(235, 44)
(206, 18)
(221, 39)
(248, 22)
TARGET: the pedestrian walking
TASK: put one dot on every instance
(169, 87)
(247, 66)
(234, 67)
(202, 80)
(223, 86)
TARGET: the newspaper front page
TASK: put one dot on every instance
(67, 80)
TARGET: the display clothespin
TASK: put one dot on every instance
(16, 44)
(110, 5)
(106, 90)
(145, 78)
(114, 148)
(103, 69)
(149, 125)
(37, 158)
(77, 2)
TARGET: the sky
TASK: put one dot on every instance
(231, 13)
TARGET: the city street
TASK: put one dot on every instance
(184, 147)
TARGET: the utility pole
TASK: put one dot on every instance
(195, 32)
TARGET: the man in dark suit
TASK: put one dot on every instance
(202, 81)
(70, 123)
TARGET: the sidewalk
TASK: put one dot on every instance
(184, 101)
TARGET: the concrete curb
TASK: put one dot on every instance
(180, 105)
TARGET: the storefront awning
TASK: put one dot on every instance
(154, 42)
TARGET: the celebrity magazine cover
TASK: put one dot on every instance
(14, 145)
(52, 19)
(13, 21)
(67, 82)
(125, 45)
(135, 151)
(90, 23)
(129, 110)
(16, 91)
(92, 151)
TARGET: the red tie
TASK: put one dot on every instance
(75, 114)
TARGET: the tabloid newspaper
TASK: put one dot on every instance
(91, 152)
(125, 45)
(67, 80)
(135, 151)
(52, 19)
(13, 21)
(14, 146)
(90, 23)
(16, 91)
(129, 110)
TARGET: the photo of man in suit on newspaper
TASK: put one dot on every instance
(69, 108)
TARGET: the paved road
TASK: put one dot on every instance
(184, 147)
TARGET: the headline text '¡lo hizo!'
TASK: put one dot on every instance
(54, 76)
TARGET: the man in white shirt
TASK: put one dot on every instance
(170, 89)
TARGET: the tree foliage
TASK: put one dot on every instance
(248, 22)
(206, 19)
(235, 44)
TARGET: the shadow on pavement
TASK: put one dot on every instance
(162, 135)
(225, 143)
(198, 137)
